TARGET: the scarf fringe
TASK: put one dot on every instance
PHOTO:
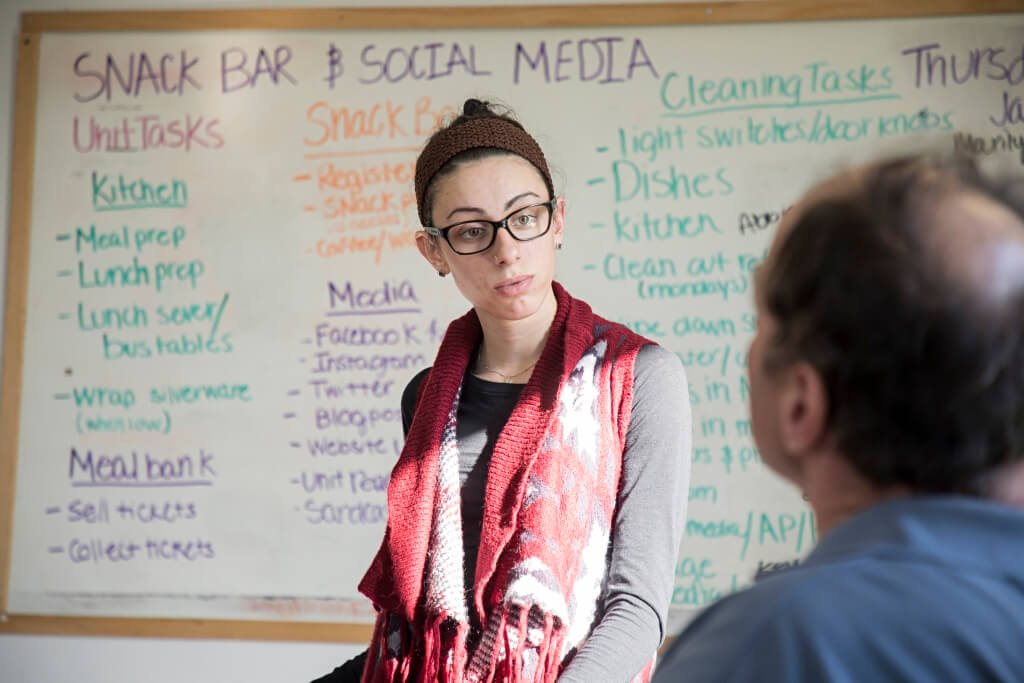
(495, 645)
(438, 656)
(445, 654)
(513, 633)
(551, 663)
(373, 653)
(432, 645)
(459, 654)
(509, 651)
(517, 648)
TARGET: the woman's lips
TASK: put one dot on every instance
(514, 286)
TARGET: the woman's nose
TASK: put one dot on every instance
(506, 247)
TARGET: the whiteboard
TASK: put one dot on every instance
(223, 301)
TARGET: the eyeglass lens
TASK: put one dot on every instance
(525, 224)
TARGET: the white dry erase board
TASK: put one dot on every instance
(214, 299)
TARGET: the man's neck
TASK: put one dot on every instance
(1007, 485)
(836, 491)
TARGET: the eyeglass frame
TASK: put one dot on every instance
(497, 225)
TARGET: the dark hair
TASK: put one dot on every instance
(475, 110)
(924, 373)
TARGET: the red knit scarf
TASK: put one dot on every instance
(547, 518)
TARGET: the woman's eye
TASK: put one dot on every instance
(523, 220)
(472, 233)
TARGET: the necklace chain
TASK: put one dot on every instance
(507, 379)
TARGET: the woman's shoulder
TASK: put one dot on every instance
(658, 371)
(653, 359)
(654, 366)
(411, 389)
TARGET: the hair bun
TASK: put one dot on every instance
(474, 107)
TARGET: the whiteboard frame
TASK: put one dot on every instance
(33, 24)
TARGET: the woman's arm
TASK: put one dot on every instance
(649, 522)
(349, 672)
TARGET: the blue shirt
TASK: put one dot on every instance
(916, 589)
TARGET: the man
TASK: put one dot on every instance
(887, 383)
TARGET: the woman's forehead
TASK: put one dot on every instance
(497, 175)
(499, 164)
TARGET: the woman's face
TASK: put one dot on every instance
(511, 280)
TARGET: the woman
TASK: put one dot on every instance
(536, 509)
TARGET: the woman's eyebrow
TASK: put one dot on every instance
(470, 209)
(508, 205)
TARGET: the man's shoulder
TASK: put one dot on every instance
(738, 625)
(786, 621)
(838, 620)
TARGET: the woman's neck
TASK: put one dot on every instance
(510, 348)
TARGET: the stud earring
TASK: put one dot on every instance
(441, 274)
(558, 246)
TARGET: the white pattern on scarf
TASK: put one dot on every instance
(446, 592)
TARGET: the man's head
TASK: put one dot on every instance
(891, 329)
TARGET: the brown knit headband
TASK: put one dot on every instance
(482, 132)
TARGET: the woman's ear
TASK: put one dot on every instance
(431, 249)
(558, 221)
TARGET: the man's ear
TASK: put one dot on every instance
(430, 247)
(802, 409)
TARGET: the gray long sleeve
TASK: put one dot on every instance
(649, 524)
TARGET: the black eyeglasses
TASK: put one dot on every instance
(472, 237)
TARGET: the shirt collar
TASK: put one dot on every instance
(954, 530)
